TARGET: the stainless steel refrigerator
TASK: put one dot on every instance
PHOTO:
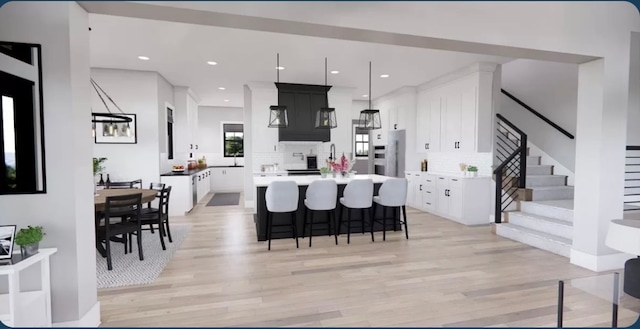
(389, 160)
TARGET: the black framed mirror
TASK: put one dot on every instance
(22, 154)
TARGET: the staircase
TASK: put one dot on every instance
(545, 219)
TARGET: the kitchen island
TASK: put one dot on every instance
(260, 215)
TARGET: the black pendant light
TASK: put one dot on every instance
(370, 118)
(326, 116)
(278, 113)
(108, 119)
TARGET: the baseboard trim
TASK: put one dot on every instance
(599, 263)
(91, 319)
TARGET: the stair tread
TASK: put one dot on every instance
(562, 204)
(541, 165)
(544, 218)
(543, 235)
(547, 188)
(547, 175)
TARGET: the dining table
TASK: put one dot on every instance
(100, 200)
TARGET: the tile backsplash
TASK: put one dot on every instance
(286, 159)
(449, 162)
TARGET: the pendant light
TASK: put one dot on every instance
(326, 116)
(370, 118)
(278, 113)
(108, 119)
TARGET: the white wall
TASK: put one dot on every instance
(66, 210)
(552, 90)
(210, 120)
(135, 92)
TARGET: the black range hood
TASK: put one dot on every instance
(303, 102)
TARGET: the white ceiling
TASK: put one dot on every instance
(180, 53)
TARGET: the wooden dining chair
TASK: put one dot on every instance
(125, 184)
(158, 187)
(121, 217)
(160, 218)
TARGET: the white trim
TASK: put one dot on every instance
(393, 94)
(91, 319)
(599, 263)
(458, 74)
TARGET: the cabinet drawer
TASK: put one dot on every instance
(429, 181)
(429, 195)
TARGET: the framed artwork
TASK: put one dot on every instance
(7, 234)
(117, 133)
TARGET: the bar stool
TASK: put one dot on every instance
(392, 194)
(282, 197)
(321, 196)
(358, 194)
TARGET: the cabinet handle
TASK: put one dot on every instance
(420, 187)
(379, 136)
(426, 146)
(446, 192)
(454, 179)
(440, 177)
(429, 203)
(429, 192)
(191, 146)
(428, 180)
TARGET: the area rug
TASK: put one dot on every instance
(129, 270)
(224, 199)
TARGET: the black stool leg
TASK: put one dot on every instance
(332, 219)
(269, 226)
(362, 219)
(384, 223)
(370, 211)
(339, 219)
(295, 228)
(406, 228)
(348, 225)
(304, 223)
(311, 228)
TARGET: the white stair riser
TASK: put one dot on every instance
(539, 170)
(533, 160)
(540, 225)
(535, 180)
(546, 211)
(535, 241)
(553, 194)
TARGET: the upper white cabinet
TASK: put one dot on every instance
(456, 115)
(186, 120)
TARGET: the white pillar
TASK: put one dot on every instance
(600, 156)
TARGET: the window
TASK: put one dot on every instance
(170, 133)
(233, 135)
(362, 142)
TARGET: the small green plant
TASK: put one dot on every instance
(97, 165)
(472, 168)
(325, 170)
(29, 235)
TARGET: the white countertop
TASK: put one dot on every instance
(306, 180)
(458, 174)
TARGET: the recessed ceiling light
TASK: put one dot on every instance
(226, 100)
(384, 75)
(212, 63)
(144, 58)
(279, 67)
(365, 95)
(222, 88)
(335, 72)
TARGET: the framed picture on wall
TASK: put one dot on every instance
(117, 132)
(7, 234)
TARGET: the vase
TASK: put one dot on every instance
(29, 250)
(323, 175)
(475, 174)
(334, 174)
(344, 173)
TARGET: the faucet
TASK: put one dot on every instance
(332, 152)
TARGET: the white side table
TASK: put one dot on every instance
(27, 308)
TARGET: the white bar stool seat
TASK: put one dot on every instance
(358, 194)
(392, 195)
(282, 197)
(321, 196)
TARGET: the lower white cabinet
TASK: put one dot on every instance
(227, 179)
(466, 200)
(187, 190)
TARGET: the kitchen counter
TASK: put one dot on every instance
(260, 216)
(184, 173)
(227, 166)
(458, 174)
(306, 180)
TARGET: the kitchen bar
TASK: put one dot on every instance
(260, 215)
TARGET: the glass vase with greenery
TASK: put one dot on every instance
(29, 239)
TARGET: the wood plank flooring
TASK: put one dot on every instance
(446, 274)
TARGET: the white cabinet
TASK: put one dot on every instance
(463, 199)
(227, 179)
(428, 123)
(187, 190)
(457, 116)
(412, 180)
(186, 120)
(203, 183)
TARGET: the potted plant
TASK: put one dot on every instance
(97, 170)
(473, 170)
(324, 171)
(29, 239)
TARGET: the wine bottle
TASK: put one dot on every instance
(101, 182)
(108, 180)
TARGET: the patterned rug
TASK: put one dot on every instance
(129, 270)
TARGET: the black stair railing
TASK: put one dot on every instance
(536, 113)
(632, 179)
(511, 172)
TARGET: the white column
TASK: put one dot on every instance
(600, 156)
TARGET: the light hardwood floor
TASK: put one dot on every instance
(446, 274)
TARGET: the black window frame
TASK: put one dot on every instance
(356, 142)
(231, 128)
(169, 133)
(25, 128)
